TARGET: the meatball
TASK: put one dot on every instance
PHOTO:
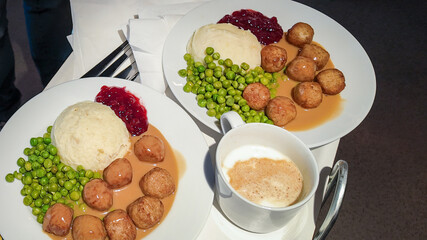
(281, 110)
(307, 94)
(317, 53)
(88, 227)
(97, 195)
(149, 149)
(146, 211)
(57, 219)
(119, 225)
(332, 81)
(157, 183)
(300, 34)
(118, 174)
(301, 69)
(257, 95)
(273, 58)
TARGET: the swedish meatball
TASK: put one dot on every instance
(88, 227)
(307, 94)
(119, 225)
(57, 219)
(97, 195)
(157, 183)
(150, 149)
(257, 95)
(317, 53)
(299, 34)
(332, 81)
(146, 211)
(118, 174)
(273, 58)
(281, 110)
(301, 69)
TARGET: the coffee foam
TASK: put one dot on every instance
(263, 175)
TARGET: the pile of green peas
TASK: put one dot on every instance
(218, 85)
(46, 179)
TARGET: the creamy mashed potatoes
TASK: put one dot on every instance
(90, 134)
(230, 41)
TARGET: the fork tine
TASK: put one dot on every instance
(123, 74)
(114, 66)
(98, 68)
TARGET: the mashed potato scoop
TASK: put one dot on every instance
(90, 134)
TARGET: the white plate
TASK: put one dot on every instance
(346, 53)
(195, 193)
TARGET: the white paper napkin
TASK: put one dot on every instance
(148, 33)
(96, 26)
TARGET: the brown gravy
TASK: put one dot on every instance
(124, 196)
(308, 118)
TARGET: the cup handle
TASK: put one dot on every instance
(230, 120)
(337, 179)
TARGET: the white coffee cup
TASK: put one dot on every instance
(242, 212)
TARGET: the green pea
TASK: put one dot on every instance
(56, 160)
(208, 59)
(228, 62)
(244, 65)
(66, 168)
(211, 65)
(20, 162)
(209, 50)
(187, 57)
(71, 174)
(36, 211)
(64, 192)
(208, 95)
(49, 129)
(38, 202)
(40, 172)
(187, 88)
(17, 175)
(47, 199)
(47, 140)
(211, 112)
(56, 196)
(53, 150)
(44, 181)
(9, 177)
(74, 196)
(35, 165)
(40, 218)
(27, 180)
(220, 61)
(33, 142)
(230, 75)
(229, 102)
(61, 200)
(245, 108)
(216, 55)
(182, 72)
(201, 103)
(96, 175)
(35, 194)
(221, 99)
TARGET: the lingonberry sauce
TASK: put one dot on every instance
(126, 106)
(267, 30)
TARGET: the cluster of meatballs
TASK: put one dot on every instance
(143, 213)
(306, 68)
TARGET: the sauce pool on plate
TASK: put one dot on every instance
(124, 196)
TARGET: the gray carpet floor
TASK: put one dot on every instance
(386, 195)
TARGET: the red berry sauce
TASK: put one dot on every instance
(126, 106)
(267, 30)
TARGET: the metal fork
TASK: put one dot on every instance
(111, 63)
